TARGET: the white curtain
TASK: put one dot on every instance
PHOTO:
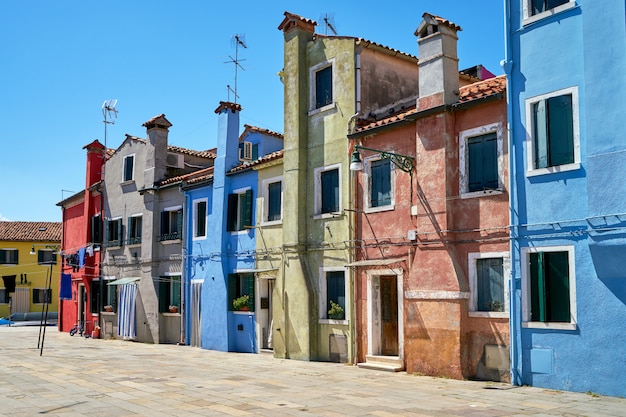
(196, 290)
(126, 326)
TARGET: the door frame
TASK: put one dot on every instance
(374, 321)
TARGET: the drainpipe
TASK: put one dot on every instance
(183, 270)
(514, 325)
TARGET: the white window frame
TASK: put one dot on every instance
(367, 196)
(132, 174)
(529, 18)
(322, 312)
(530, 129)
(464, 137)
(194, 221)
(106, 230)
(312, 87)
(318, 192)
(266, 207)
(473, 282)
(140, 231)
(526, 302)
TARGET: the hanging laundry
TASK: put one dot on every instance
(65, 292)
(81, 257)
(90, 250)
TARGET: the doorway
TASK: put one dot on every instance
(385, 315)
(264, 311)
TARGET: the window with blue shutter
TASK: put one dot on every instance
(490, 284)
(200, 218)
(324, 87)
(335, 290)
(330, 191)
(129, 162)
(482, 154)
(380, 180)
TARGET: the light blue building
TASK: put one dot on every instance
(220, 249)
(565, 63)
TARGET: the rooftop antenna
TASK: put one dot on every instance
(329, 23)
(237, 40)
(109, 112)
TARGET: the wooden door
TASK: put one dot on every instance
(389, 313)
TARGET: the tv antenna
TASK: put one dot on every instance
(236, 41)
(329, 23)
(109, 112)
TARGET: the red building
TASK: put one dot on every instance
(80, 281)
(431, 225)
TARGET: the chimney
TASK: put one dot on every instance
(95, 161)
(157, 130)
(438, 62)
(227, 140)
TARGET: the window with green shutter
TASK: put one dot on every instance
(324, 87)
(239, 211)
(482, 154)
(114, 232)
(380, 183)
(335, 291)
(240, 285)
(129, 162)
(169, 293)
(553, 131)
(274, 204)
(330, 191)
(134, 230)
(171, 224)
(549, 287)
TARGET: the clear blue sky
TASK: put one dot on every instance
(61, 59)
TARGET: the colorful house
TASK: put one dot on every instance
(565, 60)
(29, 267)
(432, 223)
(230, 305)
(81, 249)
(144, 233)
(328, 82)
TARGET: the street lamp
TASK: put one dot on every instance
(404, 162)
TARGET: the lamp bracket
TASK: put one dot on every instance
(404, 162)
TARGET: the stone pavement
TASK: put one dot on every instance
(77, 377)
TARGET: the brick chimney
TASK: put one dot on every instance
(157, 130)
(438, 62)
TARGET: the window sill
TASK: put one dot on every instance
(549, 326)
(243, 313)
(171, 241)
(390, 207)
(108, 313)
(199, 238)
(129, 182)
(553, 170)
(327, 215)
(322, 109)
(332, 321)
(485, 193)
(170, 314)
(272, 223)
(489, 314)
(548, 13)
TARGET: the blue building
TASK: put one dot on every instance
(565, 63)
(221, 285)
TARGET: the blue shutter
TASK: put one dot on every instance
(483, 162)
(490, 284)
(330, 191)
(323, 87)
(335, 289)
(380, 183)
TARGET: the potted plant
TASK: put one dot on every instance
(241, 303)
(108, 309)
(173, 309)
(336, 311)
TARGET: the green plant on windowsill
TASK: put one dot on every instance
(241, 303)
(336, 311)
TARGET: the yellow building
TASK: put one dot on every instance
(26, 276)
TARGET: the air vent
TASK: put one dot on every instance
(175, 160)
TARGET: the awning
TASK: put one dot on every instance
(376, 262)
(262, 273)
(123, 281)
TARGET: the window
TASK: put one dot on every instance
(241, 285)
(129, 162)
(273, 199)
(110, 294)
(552, 120)
(8, 256)
(199, 218)
(379, 183)
(169, 293)
(480, 160)
(4, 296)
(489, 277)
(42, 296)
(538, 9)
(114, 232)
(94, 296)
(239, 214)
(134, 230)
(328, 191)
(46, 257)
(96, 229)
(321, 82)
(332, 295)
(171, 224)
(549, 294)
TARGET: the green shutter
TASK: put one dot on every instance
(175, 299)
(541, 134)
(249, 289)
(274, 205)
(483, 162)
(537, 304)
(232, 290)
(247, 212)
(561, 130)
(179, 223)
(129, 232)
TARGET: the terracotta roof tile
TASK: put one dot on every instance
(482, 89)
(252, 129)
(202, 154)
(205, 172)
(445, 22)
(31, 231)
(386, 121)
(293, 20)
(248, 165)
